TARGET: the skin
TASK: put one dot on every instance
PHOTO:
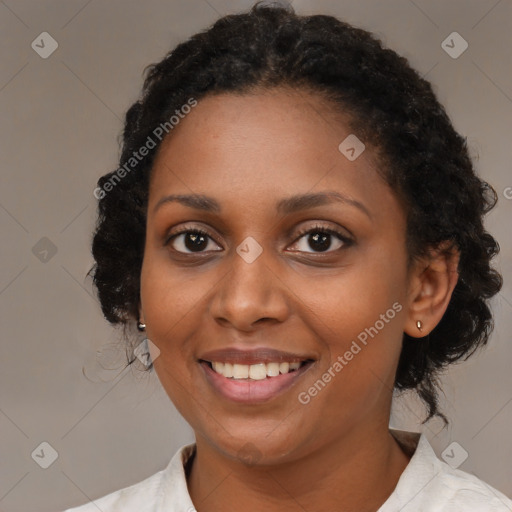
(248, 152)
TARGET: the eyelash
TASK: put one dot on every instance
(315, 229)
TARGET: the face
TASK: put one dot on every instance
(253, 281)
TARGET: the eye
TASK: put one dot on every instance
(189, 241)
(320, 239)
(196, 240)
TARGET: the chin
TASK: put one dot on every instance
(257, 447)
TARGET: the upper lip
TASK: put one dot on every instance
(253, 356)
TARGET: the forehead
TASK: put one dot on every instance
(256, 148)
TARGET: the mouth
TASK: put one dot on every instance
(255, 372)
(260, 381)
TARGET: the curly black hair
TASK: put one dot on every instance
(423, 158)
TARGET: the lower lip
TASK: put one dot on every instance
(252, 391)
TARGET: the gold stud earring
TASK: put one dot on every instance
(419, 325)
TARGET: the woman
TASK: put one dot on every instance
(297, 229)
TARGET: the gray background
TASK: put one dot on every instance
(61, 377)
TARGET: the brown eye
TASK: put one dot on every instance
(320, 239)
(190, 241)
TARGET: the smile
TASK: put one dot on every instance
(258, 371)
(253, 383)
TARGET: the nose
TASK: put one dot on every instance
(251, 293)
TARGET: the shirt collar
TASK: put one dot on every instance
(421, 470)
(175, 495)
(423, 467)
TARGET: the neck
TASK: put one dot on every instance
(358, 472)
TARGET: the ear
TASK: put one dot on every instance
(431, 284)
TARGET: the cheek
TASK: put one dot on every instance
(358, 317)
(342, 306)
(357, 378)
(168, 302)
(168, 297)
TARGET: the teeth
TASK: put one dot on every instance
(273, 369)
(218, 367)
(228, 370)
(258, 371)
(240, 371)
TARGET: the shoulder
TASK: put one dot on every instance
(431, 485)
(462, 491)
(146, 495)
(139, 496)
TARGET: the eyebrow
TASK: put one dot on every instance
(284, 206)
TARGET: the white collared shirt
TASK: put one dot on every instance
(426, 485)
